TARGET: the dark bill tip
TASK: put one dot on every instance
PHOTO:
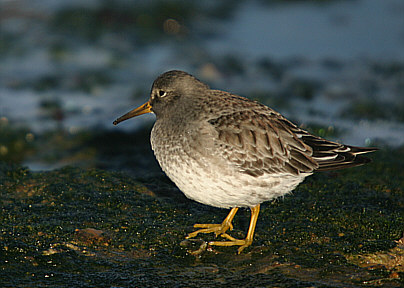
(143, 109)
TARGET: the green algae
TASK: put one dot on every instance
(68, 225)
(15, 143)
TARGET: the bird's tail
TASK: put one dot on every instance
(331, 155)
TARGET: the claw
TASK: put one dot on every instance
(220, 229)
(243, 243)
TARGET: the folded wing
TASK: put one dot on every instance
(258, 143)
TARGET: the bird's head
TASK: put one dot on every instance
(167, 90)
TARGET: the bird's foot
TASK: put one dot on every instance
(243, 243)
(218, 229)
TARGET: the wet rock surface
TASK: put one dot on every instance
(93, 228)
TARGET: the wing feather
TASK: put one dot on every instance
(259, 143)
(258, 140)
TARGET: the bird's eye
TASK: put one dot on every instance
(162, 93)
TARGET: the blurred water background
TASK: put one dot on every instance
(69, 68)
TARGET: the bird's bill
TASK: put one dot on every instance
(143, 109)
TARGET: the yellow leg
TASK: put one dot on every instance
(244, 242)
(218, 229)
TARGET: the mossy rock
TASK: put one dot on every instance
(90, 228)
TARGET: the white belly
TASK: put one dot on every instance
(208, 179)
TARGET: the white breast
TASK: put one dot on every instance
(205, 177)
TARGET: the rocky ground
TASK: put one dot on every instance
(96, 228)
